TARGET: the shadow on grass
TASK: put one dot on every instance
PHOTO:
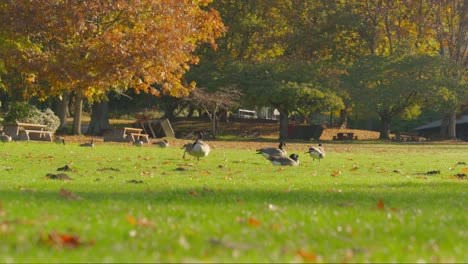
(404, 194)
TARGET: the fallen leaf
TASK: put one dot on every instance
(65, 240)
(193, 193)
(205, 173)
(140, 222)
(60, 176)
(335, 173)
(380, 205)
(306, 256)
(254, 222)
(135, 181)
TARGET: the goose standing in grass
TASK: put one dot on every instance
(317, 152)
(89, 145)
(293, 160)
(198, 149)
(273, 152)
(59, 140)
(162, 144)
(5, 138)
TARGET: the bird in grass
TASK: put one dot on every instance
(292, 160)
(273, 152)
(5, 138)
(162, 144)
(89, 145)
(138, 143)
(59, 140)
(317, 152)
(198, 149)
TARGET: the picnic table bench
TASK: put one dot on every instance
(129, 134)
(345, 136)
(28, 131)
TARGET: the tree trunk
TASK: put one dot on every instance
(62, 110)
(283, 125)
(452, 126)
(77, 113)
(99, 118)
(343, 118)
(444, 126)
(385, 127)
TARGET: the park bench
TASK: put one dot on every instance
(126, 134)
(28, 131)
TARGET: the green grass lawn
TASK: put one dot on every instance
(362, 203)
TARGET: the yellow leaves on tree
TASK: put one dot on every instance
(93, 46)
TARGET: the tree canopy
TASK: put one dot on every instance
(94, 46)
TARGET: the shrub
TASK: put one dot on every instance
(26, 113)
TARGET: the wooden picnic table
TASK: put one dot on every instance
(344, 136)
(129, 134)
(28, 131)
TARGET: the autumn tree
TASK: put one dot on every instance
(91, 47)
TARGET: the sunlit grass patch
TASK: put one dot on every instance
(362, 203)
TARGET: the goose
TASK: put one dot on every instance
(317, 152)
(198, 149)
(293, 160)
(162, 144)
(59, 140)
(89, 145)
(138, 143)
(273, 152)
(5, 138)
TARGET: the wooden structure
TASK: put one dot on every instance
(28, 131)
(125, 134)
(156, 128)
(432, 130)
(345, 136)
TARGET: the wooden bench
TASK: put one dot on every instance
(135, 136)
(24, 130)
(47, 135)
(126, 134)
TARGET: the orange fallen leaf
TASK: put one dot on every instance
(140, 222)
(380, 205)
(465, 170)
(254, 222)
(131, 220)
(66, 240)
(193, 193)
(306, 256)
(335, 173)
(205, 173)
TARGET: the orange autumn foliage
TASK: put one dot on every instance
(94, 46)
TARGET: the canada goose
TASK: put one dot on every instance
(138, 143)
(273, 152)
(198, 149)
(293, 160)
(162, 144)
(90, 144)
(317, 152)
(59, 140)
(5, 138)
